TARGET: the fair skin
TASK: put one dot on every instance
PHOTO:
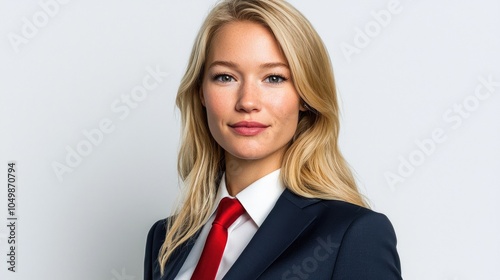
(247, 78)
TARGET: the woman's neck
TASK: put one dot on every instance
(240, 173)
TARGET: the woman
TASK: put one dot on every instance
(260, 129)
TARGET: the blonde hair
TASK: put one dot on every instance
(311, 167)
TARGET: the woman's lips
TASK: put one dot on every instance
(248, 128)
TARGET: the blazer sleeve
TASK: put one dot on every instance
(156, 236)
(368, 250)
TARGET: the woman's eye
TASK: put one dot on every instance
(223, 78)
(275, 79)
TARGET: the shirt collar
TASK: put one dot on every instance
(258, 198)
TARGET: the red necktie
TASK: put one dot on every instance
(227, 212)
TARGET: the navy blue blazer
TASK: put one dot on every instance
(301, 238)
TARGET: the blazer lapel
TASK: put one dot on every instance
(178, 257)
(282, 226)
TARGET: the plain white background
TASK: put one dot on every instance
(405, 81)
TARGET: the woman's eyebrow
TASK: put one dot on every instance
(273, 65)
(223, 63)
(231, 64)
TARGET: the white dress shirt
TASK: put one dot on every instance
(258, 199)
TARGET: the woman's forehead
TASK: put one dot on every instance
(245, 42)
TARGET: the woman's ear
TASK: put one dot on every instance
(302, 107)
(202, 98)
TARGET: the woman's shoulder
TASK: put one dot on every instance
(158, 229)
(155, 238)
(362, 236)
(341, 214)
(351, 211)
(359, 220)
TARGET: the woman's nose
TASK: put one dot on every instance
(249, 95)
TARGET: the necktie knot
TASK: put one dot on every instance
(228, 211)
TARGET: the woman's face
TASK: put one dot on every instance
(247, 79)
